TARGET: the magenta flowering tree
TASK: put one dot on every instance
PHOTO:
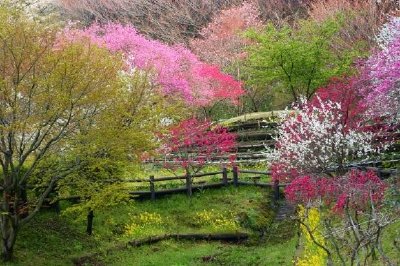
(356, 190)
(346, 92)
(192, 143)
(382, 70)
(175, 69)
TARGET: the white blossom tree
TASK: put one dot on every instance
(314, 139)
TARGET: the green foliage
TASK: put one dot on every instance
(111, 147)
(297, 60)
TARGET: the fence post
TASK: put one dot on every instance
(276, 190)
(152, 190)
(89, 227)
(188, 184)
(235, 176)
(224, 176)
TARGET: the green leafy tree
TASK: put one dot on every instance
(113, 147)
(296, 60)
(50, 90)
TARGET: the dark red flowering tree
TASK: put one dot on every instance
(345, 91)
(352, 217)
(356, 190)
(193, 143)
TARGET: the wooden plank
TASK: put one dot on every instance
(229, 237)
(207, 174)
(257, 184)
(167, 178)
(235, 176)
(226, 237)
(255, 172)
(188, 184)
(152, 189)
(137, 180)
(225, 176)
(178, 190)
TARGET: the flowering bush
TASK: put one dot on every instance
(356, 190)
(302, 189)
(142, 222)
(192, 143)
(311, 222)
(347, 210)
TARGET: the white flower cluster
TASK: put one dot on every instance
(389, 32)
(313, 139)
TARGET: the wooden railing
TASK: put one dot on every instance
(189, 187)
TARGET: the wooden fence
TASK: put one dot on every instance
(152, 192)
(189, 187)
(236, 180)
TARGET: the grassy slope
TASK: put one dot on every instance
(55, 240)
(186, 253)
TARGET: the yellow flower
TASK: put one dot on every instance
(312, 254)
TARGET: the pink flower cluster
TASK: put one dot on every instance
(382, 70)
(176, 69)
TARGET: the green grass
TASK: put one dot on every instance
(51, 239)
(248, 207)
(205, 253)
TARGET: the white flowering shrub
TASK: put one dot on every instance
(314, 138)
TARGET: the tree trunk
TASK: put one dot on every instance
(8, 234)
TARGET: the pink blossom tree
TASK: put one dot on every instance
(382, 70)
(175, 69)
(221, 42)
(192, 143)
